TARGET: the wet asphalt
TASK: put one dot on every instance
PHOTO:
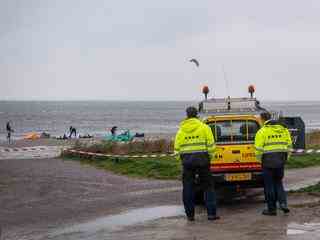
(37, 195)
(50, 198)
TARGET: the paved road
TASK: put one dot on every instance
(37, 194)
(41, 198)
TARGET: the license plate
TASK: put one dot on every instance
(238, 177)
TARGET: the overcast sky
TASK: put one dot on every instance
(139, 50)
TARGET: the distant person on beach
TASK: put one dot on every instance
(73, 131)
(9, 131)
(113, 130)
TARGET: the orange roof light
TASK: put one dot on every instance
(205, 91)
(251, 90)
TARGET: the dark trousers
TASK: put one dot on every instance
(273, 187)
(73, 132)
(190, 169)
(9, 136)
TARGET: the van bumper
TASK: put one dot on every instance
(255, 182)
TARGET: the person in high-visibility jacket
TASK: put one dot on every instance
(273, 144)
(194, 146)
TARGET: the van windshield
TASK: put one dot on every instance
(234, 131)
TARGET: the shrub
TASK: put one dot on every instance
(121, 148)
(313, 139)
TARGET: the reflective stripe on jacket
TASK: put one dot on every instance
(194, 136)
(272, 138)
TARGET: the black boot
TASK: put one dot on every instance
(190, 218)
(213, 217)
(284, 208)
(269, 213)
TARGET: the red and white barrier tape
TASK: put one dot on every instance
(305, 151)
(119, 155)
(91, 154)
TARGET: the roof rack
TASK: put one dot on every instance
(230, 106)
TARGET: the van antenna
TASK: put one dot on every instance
(225, 79)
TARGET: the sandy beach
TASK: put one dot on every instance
(70, 142)
(39, 142)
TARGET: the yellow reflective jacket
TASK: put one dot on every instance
(194, 136)
(272, 137)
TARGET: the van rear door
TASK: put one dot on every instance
(235, 144)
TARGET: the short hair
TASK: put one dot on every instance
(192, 112)
(265, 116)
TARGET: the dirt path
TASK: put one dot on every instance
(41, 198)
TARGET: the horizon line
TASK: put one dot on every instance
(140, 100)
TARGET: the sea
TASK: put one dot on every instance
(97, 117)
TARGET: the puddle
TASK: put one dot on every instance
(305, 228)
(116, 222)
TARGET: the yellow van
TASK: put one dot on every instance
(234, 123)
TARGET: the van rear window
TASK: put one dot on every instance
(232, 131)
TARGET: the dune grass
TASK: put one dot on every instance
(169, 167)
(156, 168)
(127, 148)
(303, 161)
(310, 189)
(163, 167)
(313, 139)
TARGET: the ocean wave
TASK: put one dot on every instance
(96, 118)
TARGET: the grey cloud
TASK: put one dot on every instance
(139, 49)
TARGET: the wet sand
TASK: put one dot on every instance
(43, 142)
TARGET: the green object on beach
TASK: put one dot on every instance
(123, 137)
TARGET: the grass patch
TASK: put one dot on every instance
(169, 167)
(302, 161)
(161, 167)
(310, 189)
(157, 168)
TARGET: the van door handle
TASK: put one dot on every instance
(236, 151)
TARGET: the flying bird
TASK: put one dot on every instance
(195, 61)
